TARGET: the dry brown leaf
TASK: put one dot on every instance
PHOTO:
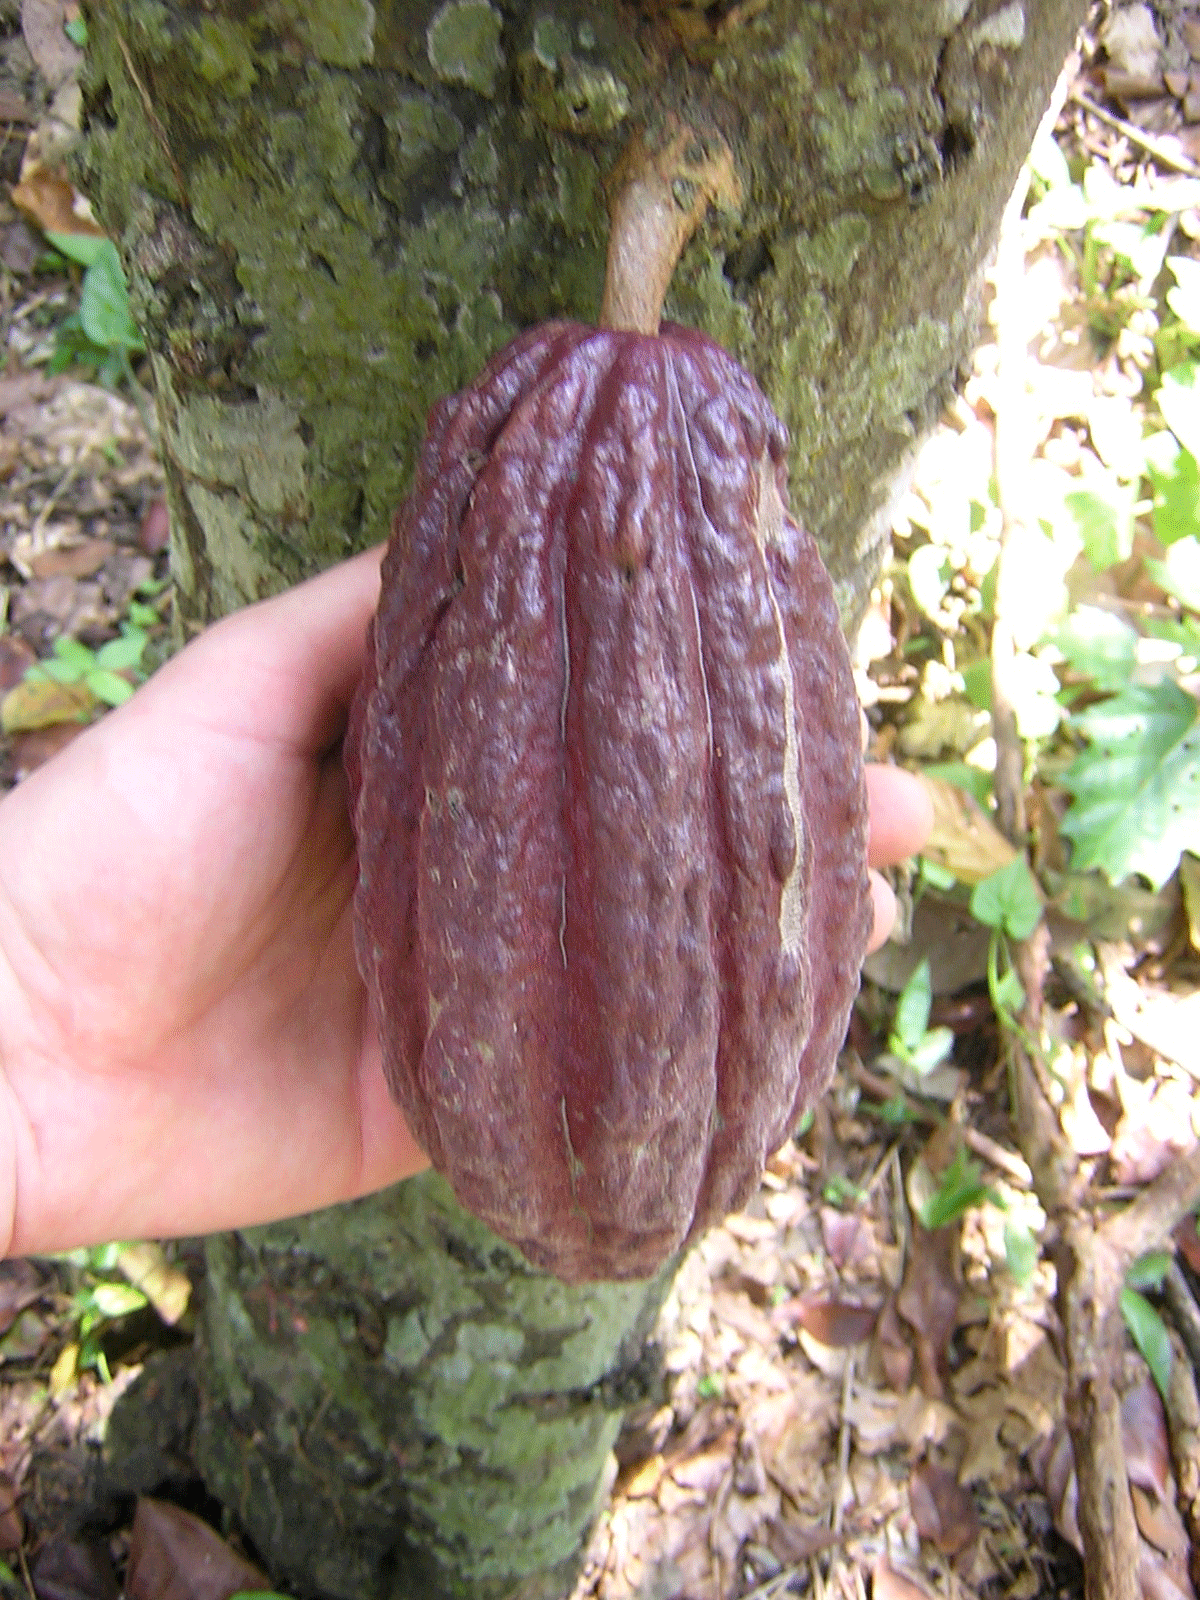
(832, 1321)
(32, 750)
(20, 1285)
(12, 1525)
(74, 1569)
(928, 1300)
(964, 839)
(43, 23)
(167, 1287)
(1155, 1127)
(49, 199)
(888, 1584)
(75, 561)
(943, 1510)
(40, 703)
(175, 1556)
(895, 1350)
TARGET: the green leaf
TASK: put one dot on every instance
(73, 653)
(1009, 900)
(1148, 1271)
(83, 248)
(1149, 1334)
(931, 1050)
(1020, 1251)
(1136, 787)
(1184, 298)
(1179, 401)
(1099, 645)
(107, 686)
(104, 304)
(972, 779)
(977, 682)
(1179, 574)
(1105, 523)
(913, 1007)
(959, 1188)
(1009, 993)
(936, 875)
(142, 615)
(76, 31)
(117, 1299)
(120, 654)
(929, 575)
(1175, 480)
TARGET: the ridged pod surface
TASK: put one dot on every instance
(608, 796)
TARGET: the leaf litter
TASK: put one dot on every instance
(864, 1384)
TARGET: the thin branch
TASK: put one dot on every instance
(1136, 136)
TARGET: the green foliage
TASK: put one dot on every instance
(102, 335)
(1020, 1251)
(1149, 1333)
(959, 1187)
(98, 1301)
(1009, 900)
(1148, 1271)
(110, 672)
(1136, 787)
(912, 1041)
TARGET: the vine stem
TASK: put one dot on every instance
(662, 195)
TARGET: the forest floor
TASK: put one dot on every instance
(866, 1371)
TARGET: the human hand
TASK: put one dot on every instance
(185, 1042)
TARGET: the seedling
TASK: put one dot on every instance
(109, 673)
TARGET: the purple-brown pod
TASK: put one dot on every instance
(608, 795)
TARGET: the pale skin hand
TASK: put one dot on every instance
(185, 1042)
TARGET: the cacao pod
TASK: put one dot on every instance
(608, 796)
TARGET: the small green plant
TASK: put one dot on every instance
(102, 335)
(959, 1187)
(99, 1301)
(912, 1042)
(1146, 1326)
(1008, 902)
(110, 673)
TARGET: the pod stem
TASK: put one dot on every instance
(661, 198)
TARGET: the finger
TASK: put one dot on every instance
(885, 912)
(901, 814)
(285, 670)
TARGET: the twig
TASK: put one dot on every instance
(1144, 141)
(1016, 1166)
(1184, 1311)
(843, 1455)
(1157, 1211)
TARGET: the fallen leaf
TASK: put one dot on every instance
(1189, 881)
(942, 1509)
(1144, 1436)
(834, 1322)
(1153, 1130)
(43, 23)
(41, 702)
(75, 561)
(49, 199)
(167, 1287)
(12, 1524)
(64, 1371)
(32, 750)
(175, 1556)
(15, 657)
(155, 531)
(20, 1285)
(964, 839)
(74, 1569)
(895, 1351)
(845, 1235)
(928, 1300)
(888, 1584)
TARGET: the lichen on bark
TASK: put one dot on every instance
(449, 1414)
(348, 209)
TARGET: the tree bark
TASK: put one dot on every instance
(332, 213)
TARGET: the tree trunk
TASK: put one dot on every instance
(332, 213)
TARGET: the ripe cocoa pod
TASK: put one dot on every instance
(608, 797)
